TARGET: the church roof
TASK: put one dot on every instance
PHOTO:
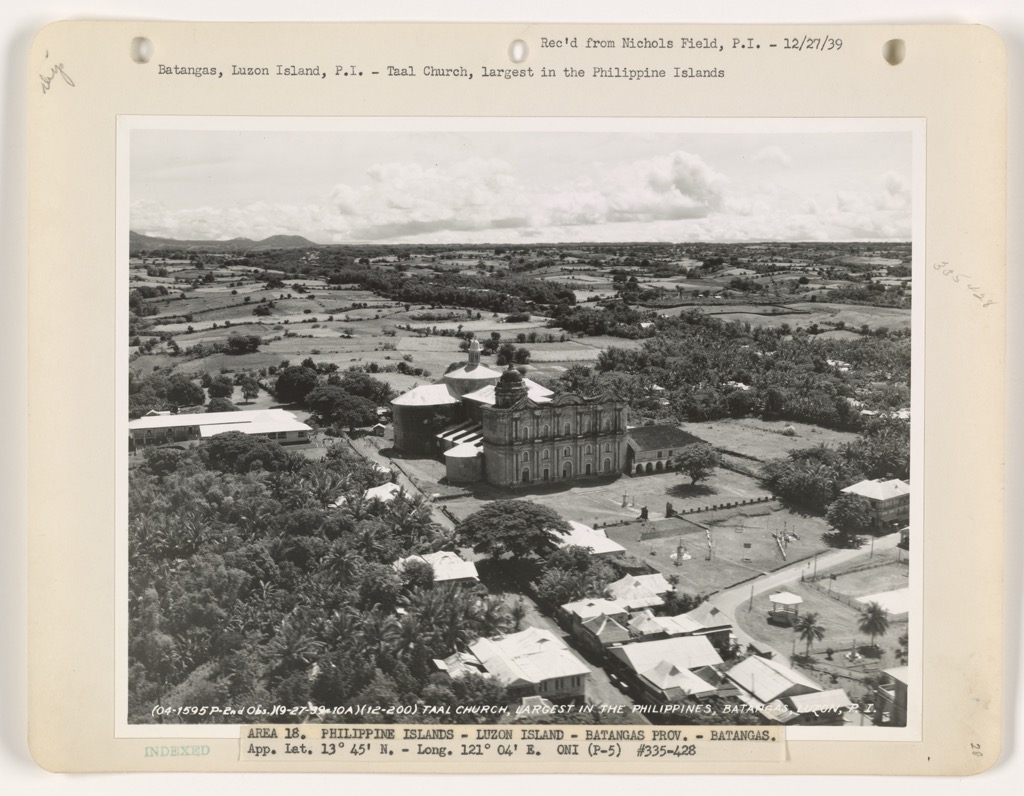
(535, 392)
(471, 371)
(426, 395)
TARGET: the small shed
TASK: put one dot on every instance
(378, 430)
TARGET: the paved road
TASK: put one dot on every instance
(726, 602)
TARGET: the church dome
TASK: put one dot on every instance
(510, 377)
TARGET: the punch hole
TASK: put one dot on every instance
(142, 50)
(517, 51)
(894, 51)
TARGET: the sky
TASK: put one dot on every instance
(436, 186)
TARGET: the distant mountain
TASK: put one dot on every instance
(139, 242)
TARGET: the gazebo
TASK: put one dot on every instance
(785, 608)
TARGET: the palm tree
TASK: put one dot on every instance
(290, 648)
(378, 633)
(874, 621)
(324, 486)
(517, 611)
(809, 629)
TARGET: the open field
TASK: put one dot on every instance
(742, 544)
(761, 440)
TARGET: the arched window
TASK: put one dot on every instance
(567, 451)
(607, 424)
(526, 456)
(547, 430)
(526, 432)
(589, 449)
(568, 429)
(589, 425)
(545, 455)
(607, 447)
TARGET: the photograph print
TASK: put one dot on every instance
(506, 422)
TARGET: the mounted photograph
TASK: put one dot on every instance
(520, 421)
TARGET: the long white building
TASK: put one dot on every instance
(275, 424)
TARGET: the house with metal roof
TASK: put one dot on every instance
(534, 662)
(889, 500)
(670, 670)
(448, 567)
(636, 592)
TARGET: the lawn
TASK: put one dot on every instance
(762, 440)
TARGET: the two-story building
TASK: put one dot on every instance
(890, 501)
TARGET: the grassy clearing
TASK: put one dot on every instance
(761, 439)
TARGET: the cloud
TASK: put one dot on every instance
(772, 154)
(677, 196)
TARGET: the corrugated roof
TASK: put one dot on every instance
(767, 680)
(686, 652)
(532, 656)
(676, 682)
(446, 566)
(879, 489)
(607, 629)
(587, 609)
(383, 493)
(584, 536)
(639, 591)
(831, 701)
(241, 417)
(653, 438)
(259, 427)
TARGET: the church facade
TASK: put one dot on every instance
(565, 438)
(510, 431)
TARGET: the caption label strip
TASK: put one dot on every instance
(343, 743)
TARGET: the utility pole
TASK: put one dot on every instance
(750, 605)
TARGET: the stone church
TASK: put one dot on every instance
(508, 430)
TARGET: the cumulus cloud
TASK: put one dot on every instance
(772, 154)
(677, 196)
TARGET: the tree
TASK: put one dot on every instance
(331, 405)
(506, 354)
(244, 343)
(355, 382)
(518, 528)
(698, 461)
(809, 630)
(250, 388)
(850, 514)
(221, 405)
(182, 392)
(873, 620)
(221, 387)
(235, 452)
(294, 384)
